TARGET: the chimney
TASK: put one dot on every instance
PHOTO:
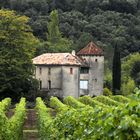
(73, 52)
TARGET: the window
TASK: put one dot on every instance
(84, 70)
(71, 70)
(49, 83)
(49, 71)
(40, 84)
(96, 60)
(95, 80)
(83, 84)
(40, 70)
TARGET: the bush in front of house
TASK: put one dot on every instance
(107, 92)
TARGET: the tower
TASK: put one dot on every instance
(91, 76)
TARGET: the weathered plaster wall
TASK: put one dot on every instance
(70, 84)
(54, 76)
(96, 74)
(62, 81)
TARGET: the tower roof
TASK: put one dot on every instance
(91, 49)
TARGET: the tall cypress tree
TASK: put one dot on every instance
(116, 70)
(56, 42)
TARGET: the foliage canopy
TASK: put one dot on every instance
(17, 46)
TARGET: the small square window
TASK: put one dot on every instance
(96, 60)
(84, 70)
(83, 84)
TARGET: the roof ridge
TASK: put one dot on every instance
(90, 47)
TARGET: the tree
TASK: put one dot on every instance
(54, 34)
(56, 42)
(116, 70)
(107, 78)
(84, 39)
(104, 20)
(135, 72)
(17, 46)
(131, 68)
(128, 87)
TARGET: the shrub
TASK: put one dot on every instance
(128, 87)
(107, 92)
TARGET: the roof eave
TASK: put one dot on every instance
(90, 54)
(78, 65)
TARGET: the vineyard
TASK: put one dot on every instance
(11, 129)
(107, 118)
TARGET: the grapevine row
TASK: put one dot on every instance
(107, 101)
(4, 104)
(57, 104)
(11, 129)
(87, 123)
(87, 100)
(120, 98)
(44, 120)
(71, 101)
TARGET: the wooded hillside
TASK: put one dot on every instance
(103, 21)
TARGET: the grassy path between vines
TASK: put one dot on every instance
(30, 131)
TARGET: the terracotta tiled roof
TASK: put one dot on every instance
(91, 49)
(56, 59)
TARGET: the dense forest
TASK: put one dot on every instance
(103, 21)
(64, 25)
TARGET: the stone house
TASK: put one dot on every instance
(70, 74)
